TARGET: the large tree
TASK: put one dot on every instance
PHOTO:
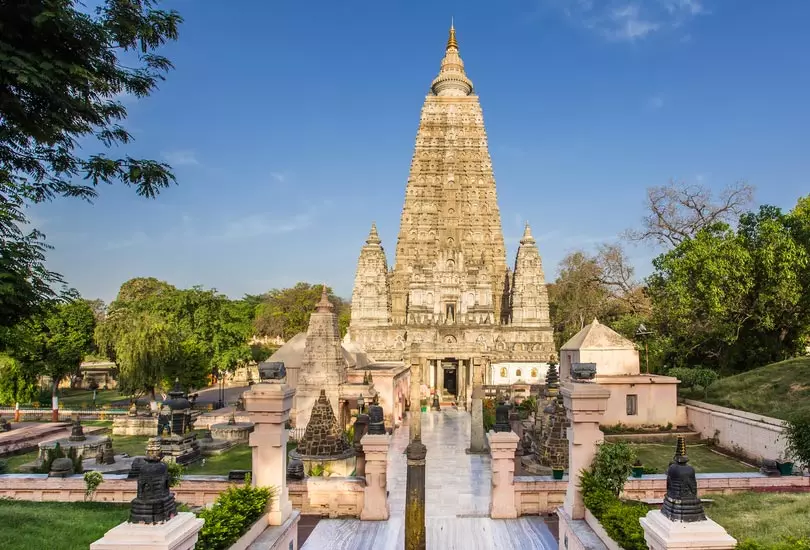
(156, 333)
(678, 211)
(285, 312)
(62, 74)
(734, 300)
(53, 342)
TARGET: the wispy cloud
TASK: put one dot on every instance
(628, 20)
(257, 225)
(280, 177)
(654, 103)
(181, 157)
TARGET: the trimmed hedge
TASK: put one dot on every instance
(620, 519)
(788, 543)
(231, 516)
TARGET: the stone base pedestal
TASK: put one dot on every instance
(179, 533)
(503, 445)
(661, 533)
(375, 503)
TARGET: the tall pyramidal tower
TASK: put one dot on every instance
(450, 288)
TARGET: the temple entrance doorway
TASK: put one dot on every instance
(450, 376)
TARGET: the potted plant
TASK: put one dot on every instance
(784, 465)
(557, 472)
(638, 468)
(423, 403)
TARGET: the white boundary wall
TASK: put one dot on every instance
(753, 435)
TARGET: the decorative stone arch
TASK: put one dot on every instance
(518, 373)
(399, 343)
(449, 339)
(450, 265)
(429, 299)
(450, 241)
(500, 345)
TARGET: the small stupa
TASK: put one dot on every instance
(324, 445)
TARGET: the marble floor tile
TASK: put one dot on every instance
(457, 495)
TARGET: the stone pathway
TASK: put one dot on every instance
(457, 491)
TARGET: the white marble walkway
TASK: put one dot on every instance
(457, 488)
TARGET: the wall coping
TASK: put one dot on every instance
(761, 418)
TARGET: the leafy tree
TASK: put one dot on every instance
(62, 72)
(700, 293)
(17, 383)
(54, 342)
(678, 211)
(285, 312)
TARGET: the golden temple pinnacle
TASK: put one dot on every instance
(451, 41)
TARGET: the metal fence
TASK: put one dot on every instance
(32, 413)
(296, 433)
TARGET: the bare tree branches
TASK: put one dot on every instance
(677, 211)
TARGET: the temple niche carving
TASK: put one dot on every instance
(450, 287)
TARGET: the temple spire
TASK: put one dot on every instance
(451, 41)
(324, 306)
(527, 235)
(373, 236)
(452, 81)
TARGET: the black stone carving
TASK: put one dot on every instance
(77, 431)
(295, 469)
(272, 371)
(155, 502)
(682, 502)
(583, 372)
(376, 419)
(502, 418)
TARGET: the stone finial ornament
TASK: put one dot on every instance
(502, 418)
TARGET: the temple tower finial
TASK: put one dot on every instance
(451, 41)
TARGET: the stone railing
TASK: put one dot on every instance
(331, 497)
(752, 435)
(543, 495)
(536, 495)
(44, 414)
(335, 497)
(193, 490)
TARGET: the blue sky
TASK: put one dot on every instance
(291, 125)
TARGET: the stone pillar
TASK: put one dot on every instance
(661, 533)
(502, 448)
(16, 412)
(440, 379)
(179, 533)
(360, 430)
(415, 415)
(268, 404)
(477, 438)
(415, 534)
(517, 427)
(585, 404)
(375, 503)
(54, 409)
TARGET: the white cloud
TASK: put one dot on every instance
(628, 20)
(655, 102)
(280, 177)
(181, 157)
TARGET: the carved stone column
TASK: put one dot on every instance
(268, 404)
(477, 438)
(415, 533)
(415, 414)
(585, 404)
(375, 503)
(502, 448)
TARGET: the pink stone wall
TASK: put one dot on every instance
(328, 497)
(543, 495)
(752, 435)
(657, 398)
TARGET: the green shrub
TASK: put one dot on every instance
(797, 437)
(613, 464)
(176, 472)
(92, 480)
(621, 523)
(3, 466)
(231, 516)
(488, 409)
(597, 497)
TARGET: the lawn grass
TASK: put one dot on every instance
(776, 390)
(79, 398)
(701, 458)
(237, 458)
(764, 517)
(62, 525)
(14, 462)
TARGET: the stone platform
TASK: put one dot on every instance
(457, 493)
(26, 436)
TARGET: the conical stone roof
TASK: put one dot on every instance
(323, 436)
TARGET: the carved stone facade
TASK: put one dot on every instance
(450, 287)
(323, 366)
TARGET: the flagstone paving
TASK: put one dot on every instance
(457, 489)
